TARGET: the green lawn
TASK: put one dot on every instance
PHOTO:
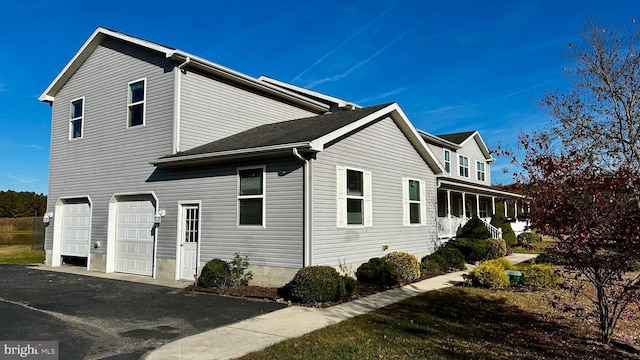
(20, 254)
(453, 323)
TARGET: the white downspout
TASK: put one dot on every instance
(176, 105)
(307, 216)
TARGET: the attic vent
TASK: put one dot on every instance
(348, 106)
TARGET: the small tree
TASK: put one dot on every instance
(582, 171)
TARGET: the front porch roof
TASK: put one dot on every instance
(469, 187)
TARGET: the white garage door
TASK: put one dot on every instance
(75, 228)
(134, 235)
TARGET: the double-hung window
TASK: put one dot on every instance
(463, 168)
(136, 103)
(414, 201)
(480, 171)
(251, 204)
(447, 161)
(353, 195)
(76, 117)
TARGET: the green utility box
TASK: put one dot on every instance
(514, 276)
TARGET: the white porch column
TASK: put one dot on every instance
(505, 208)
(515, 210)
(449, 212)
(464, 205)
(493, 205)
(478, 205)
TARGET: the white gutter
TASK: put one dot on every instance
(177, 100)
(478, 188)
(307, 216)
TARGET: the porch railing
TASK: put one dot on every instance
(495, 232)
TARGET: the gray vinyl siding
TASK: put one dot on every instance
(113, 159)
(211, 110)
(382, 149)
(472, 150)
(110, 157)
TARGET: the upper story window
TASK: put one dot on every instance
(480, 171)
(251, 185)
(447, 161)
(353, 194)
(463, 169)
(136, 103)
(76, 117)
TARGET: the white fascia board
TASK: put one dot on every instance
(438, 140)
(83, 53)
(401, 120)
(248, 80)
(481, 144)
(339, 102)
(482, 189)
(221, 154)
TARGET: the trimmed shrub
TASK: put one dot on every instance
(317, 284)
(490, 274)
(444, 259)
(377, 271)
(474, 229)
(500, 221)
(472, 249)
(529, 237)
(542, 276)
(506, 264)
(551, 257)
(497, 248)
(407, 264)
(214, 274)
(350, 286)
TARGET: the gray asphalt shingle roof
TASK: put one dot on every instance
(286, 132)
(457, 138)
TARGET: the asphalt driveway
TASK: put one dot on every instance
(95, 318)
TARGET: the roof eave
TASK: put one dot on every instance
(443, 180)
(439, 141)
(225, 156)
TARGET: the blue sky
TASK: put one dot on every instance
(451, 65)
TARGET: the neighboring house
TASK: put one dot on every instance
(464, 189)
(161, 161)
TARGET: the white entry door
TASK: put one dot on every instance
(190, 236)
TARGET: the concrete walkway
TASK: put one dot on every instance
(235, 340)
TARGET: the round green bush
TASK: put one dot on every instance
(497, 248)
(540, 275)
(444, 259)
(317, 284)
(490, 274)
(475, 229)
(506, 264)
(500, 221)
(377, 271)
(407, 264)
(471, 249)
(215, 274)
(551, 257)
(529, 237)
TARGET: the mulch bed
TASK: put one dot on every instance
(261, 293)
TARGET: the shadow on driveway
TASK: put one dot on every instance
(99, 318)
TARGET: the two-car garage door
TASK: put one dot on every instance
(135, 235)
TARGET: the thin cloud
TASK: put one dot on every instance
(383, 95)
(532, 87)
(346, 41)
(20, 146)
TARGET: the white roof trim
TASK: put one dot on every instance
(220, 154)
(101, 33)
(478, 188)
(282, 84)
(401, 120)
(481, 144)
(439, 140)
